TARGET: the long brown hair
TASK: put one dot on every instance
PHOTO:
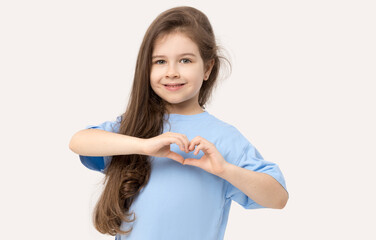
(128, 174)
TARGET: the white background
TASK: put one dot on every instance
(302, 90)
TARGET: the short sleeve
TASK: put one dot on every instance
(251, 159)
(99, 163)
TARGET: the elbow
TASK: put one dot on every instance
(281, 205)
(72, 144)
(282, 201)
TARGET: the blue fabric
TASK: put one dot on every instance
(99, 163)
(185, 202)
(93, 163)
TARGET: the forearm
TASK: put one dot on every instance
(260, 187)
(97, 142)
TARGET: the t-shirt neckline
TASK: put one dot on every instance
(179, 117)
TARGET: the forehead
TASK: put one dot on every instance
(174, 43)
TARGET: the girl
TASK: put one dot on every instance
(171, 168)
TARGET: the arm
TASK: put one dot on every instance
(97, 142)
(260, 187)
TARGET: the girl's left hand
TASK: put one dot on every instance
(212, 160)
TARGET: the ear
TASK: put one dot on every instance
(209, 67)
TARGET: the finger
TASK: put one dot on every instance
(205, 147)
(195, 141)
(178, 141)
(175, 156)
(201, 146)
(185, 141)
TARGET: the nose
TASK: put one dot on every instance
(172, 71)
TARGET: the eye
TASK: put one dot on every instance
(186, 60)
(159, 62)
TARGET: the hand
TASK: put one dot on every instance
(159, 146)
(212, 161)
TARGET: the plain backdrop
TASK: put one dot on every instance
(302, 90)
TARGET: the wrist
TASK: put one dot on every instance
(224, 171)
(140, 149)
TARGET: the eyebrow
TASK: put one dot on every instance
(183, 54)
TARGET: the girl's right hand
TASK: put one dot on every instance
(159, 146)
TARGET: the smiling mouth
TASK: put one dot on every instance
(173, 85)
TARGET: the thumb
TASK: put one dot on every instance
(191, 161)
(175, 156)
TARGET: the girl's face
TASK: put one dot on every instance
(176, 60)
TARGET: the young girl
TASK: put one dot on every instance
(172, 168)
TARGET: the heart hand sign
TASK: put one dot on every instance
(212, 161)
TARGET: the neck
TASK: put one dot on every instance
(184, 111)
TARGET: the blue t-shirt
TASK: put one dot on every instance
(185, 202)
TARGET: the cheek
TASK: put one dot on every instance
(152, 77)
(194, 73)
(153, 86)
(155, 74)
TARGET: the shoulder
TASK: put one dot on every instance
(113, 125)
(226, 130)
(110, 125)
(228, 139)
